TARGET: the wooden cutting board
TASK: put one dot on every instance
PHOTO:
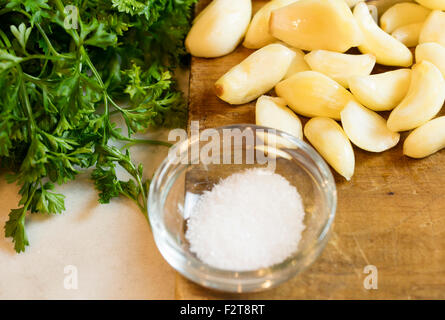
(391, 215)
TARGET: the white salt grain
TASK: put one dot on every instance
(249, 220)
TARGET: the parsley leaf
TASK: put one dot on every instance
(15, 228)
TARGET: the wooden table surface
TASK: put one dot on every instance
(390, 215)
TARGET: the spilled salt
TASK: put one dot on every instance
(249, 220)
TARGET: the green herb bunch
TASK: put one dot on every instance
(63, 67)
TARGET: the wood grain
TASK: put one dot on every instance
(391, 215)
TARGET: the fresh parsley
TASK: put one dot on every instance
(59, 88)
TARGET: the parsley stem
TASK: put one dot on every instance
(134, 200)
(48, 42)
(119, 109)
(28, 202)
(5, 10)
(5, 39)
(93, 69)
(41, 57)
(144, 197)
(39, 27)
(26, 103)
(129, 166)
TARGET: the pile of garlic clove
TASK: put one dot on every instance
(301, 47)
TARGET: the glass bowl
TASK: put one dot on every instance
(186, 173)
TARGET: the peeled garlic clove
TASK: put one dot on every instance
(402, 14)
(426, 139)
(387, 50)
(383, 91)
(374, 11)
(298, 64)
(255, 75)
(423, 101)
(313, 94)
(433, 29)
(219, 28)
(366, 129)
(273, 152)
(433, 4)
(383, 5)
(340, 66)
(314, 24)
(352, 3)
(409, 34)
(258, 35)
(331, 142)
(432, 52)
(272, 112)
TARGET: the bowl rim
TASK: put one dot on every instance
(228, 280)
